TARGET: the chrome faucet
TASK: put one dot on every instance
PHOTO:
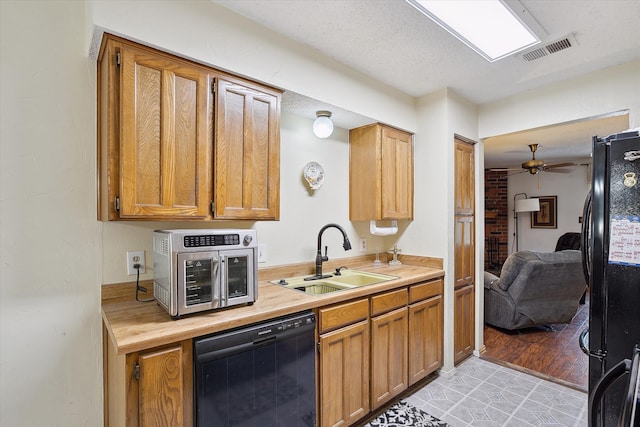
(322, 258)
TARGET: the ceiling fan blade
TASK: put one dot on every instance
(557, 171)
(560, 165)
(503, 169)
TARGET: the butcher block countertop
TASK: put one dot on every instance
(134, 326)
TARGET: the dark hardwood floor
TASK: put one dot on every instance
(553, 354)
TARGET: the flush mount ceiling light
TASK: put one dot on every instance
(323, 126)
(489, 27)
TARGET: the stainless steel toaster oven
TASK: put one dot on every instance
(204, 269)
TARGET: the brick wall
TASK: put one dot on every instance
(496, 223)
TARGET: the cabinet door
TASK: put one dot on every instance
(425, 338)
(388, 356)
(464, 178)
(247, 152)
(463, 322)
(164, 387)
(165, 143)
(397, 174)
(380, 173)
(464, 250)
(344, 375)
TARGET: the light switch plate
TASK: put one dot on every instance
(262, 252)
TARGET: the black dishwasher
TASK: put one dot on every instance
(260, 375)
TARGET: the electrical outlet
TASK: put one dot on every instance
(363, 245)
(135, 257)
(262, 252)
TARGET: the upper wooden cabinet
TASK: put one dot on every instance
(380, 173)
(169, 148)
(247, 151)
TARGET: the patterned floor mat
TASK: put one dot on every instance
(405, 414)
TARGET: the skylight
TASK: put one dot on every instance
(489, 27)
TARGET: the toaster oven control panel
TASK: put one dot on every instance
(211, 240)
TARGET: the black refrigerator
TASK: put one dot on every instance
(611, 258)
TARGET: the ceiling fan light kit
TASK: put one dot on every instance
(534, 166)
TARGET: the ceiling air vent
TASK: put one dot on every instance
(549, 48)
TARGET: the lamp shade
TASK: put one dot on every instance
(323, 126)
(527, 205)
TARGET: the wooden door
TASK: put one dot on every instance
(464, 250)
(463, 324)
(165, 143)
(247, 152)
(397, 174)
(344, 375)
(425, 338)
(389, 345)
(164, 387)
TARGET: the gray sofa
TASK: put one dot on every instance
(534, 288)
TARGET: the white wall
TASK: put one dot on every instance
(50, 327)
(207, 32)
(610, 90)
(55, 255)
(571, 190)
(441, 116)
(606, 91)
(302, 211)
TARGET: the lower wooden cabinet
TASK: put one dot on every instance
(373, 348)
(344, 377)
(463, 323)
(370, 350)
(149, 388)
(389, 338)
(161, 386)
(344, 362)
(425, 338)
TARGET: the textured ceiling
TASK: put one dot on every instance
(393, 43)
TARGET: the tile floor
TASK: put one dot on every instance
(482, 393)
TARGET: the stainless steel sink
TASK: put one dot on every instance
(316, 287)
(360, 278)
(348, 279)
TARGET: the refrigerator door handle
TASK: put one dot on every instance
(587, 230)
(595, 398)
(629, 408)
(584, 341)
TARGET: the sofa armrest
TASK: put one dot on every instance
(490, 280)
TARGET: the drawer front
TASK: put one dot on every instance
(388, 301)
(425, 290)
(343, 314)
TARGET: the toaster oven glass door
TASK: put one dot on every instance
(198, 281)
(238, 275)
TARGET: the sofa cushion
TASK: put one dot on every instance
(513, 266)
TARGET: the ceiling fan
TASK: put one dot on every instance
(534, 165)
